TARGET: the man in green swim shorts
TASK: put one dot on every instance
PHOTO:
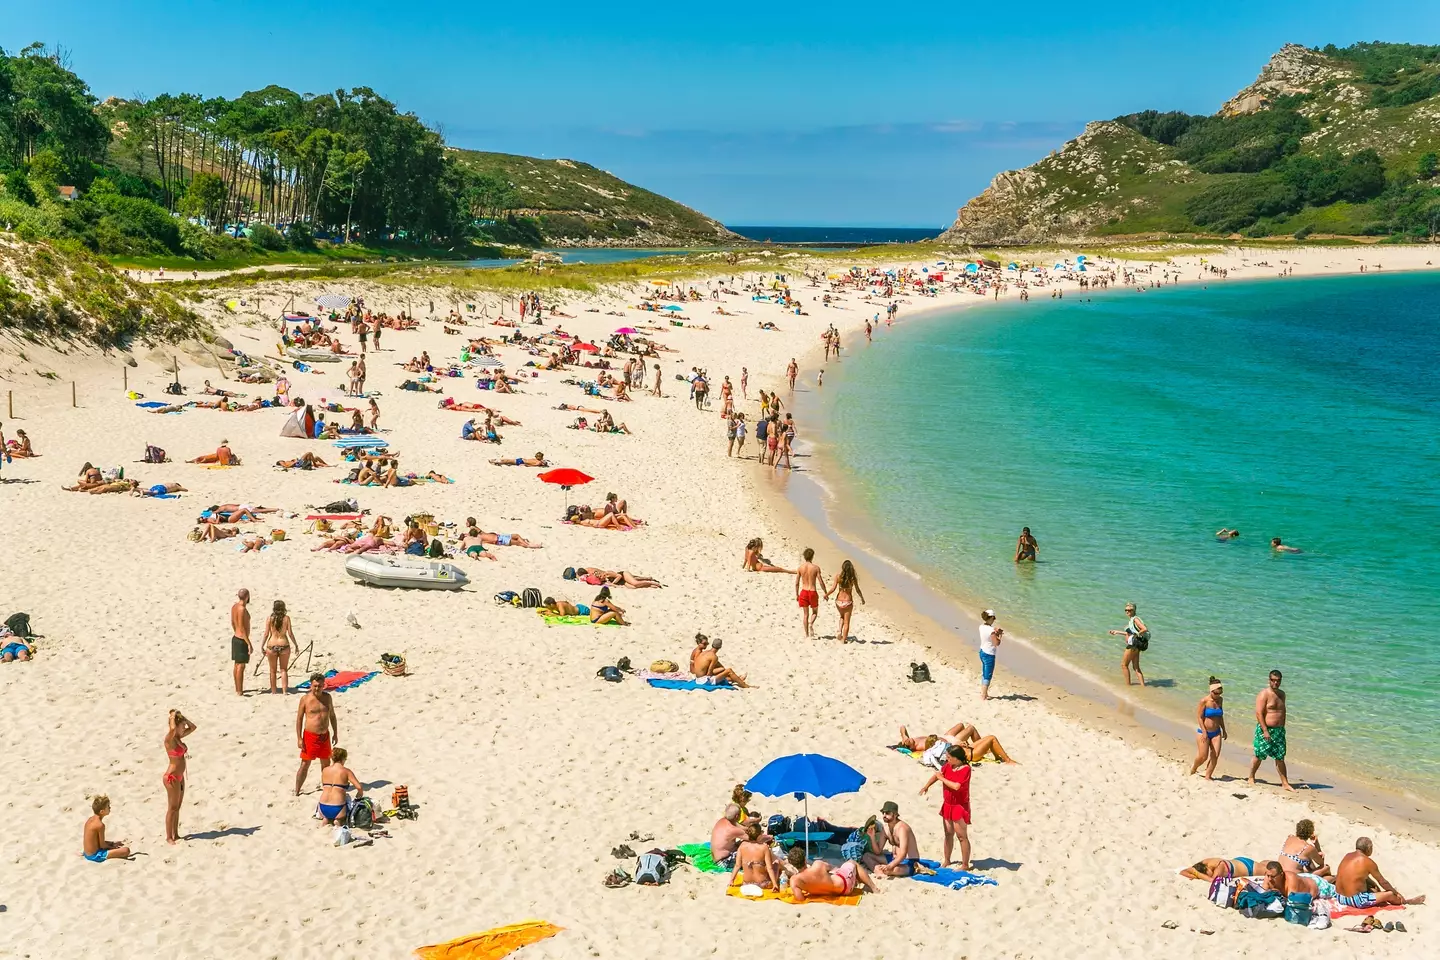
(1269, 741)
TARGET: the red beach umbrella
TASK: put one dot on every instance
(587, 347)
(566, 477)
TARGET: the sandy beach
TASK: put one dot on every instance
(527, 768)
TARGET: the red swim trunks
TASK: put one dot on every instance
(316, 746)
(809, 598)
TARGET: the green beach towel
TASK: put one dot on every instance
(700, 859)
(567, 621)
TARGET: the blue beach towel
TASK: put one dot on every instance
(149, 404)
(351, 678)
(359, 442)
(687, 685)
(164, 496)
(952, 878)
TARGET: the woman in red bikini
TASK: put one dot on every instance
(174, 778)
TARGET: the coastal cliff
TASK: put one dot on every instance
(1330, 141)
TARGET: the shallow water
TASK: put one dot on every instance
(1124, 431)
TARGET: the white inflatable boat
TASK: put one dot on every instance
(405, 571)
(305, 355)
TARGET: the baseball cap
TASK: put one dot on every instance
(989, 613)
(889, 806)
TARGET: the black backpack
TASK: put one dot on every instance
(341, 506)
(919, 673)
(362, 814)
(530, 597)
(154, 454)
(19, 624)
(612, 674)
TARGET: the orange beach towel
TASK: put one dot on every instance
(492, 944)
(785, 896)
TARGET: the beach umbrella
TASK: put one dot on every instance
(674, 306)
(1080, 258)
(971, 268)
(659, 283)
(627, 330)
(333, 301)
(566, 477)
(806, 775)
(587, 347)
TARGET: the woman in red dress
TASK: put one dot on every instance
(954, 777)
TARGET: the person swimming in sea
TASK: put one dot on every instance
(1279, 547)
(1027, 547)
(1226, 534)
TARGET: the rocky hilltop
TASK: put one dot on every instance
(1332, 141)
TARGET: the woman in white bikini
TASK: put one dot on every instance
(845, 589)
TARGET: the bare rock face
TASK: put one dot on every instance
(1293, 69)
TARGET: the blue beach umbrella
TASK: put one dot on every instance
(971, 268)
(1080, 258)
(806, 775)
(673, 307)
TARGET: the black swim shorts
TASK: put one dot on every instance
(239, 650)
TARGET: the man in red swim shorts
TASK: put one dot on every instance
(316, 728)
(808, 582)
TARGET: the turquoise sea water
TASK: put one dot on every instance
(1124, 432)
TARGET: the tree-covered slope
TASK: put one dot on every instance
(1336, 140)
(576, 203)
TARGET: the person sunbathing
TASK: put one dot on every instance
(962, 732)
(609, 521)
(819, 879)
(254, 542)
(342, 538)
(486, 434)
(218, 392)
(16, 648)
(755, 563)
(222, 455)
(706, 666)
(234, 513)
(603, 609)
(536, 461)
(507, 540)
(109, 486)
(754, 862)
(160, 490)
(20, 447)
(90, 476)
(211, 532)
(1212, 867)
(473, 545)
(564, 608)
(306, 461)
(619, 578)
(169, 408)
(577, 409)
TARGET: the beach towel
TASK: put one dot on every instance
(337, 681)
(785, 896)
(700, 859)
(357, 443)
(333, 516)
(492, 944)
(566, 621)
(952, 878)
(164, 496)
(652, 675)
(151, 404)
(1337, 911)
(919, 757)
(688, 685)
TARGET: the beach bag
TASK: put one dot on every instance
(19, 624)
(1223, 892)
(154, 454)
(508, 596)
(651, 868)
(400, 803)
(1141, 641)
(341, 506)
(531, 598)
(1298, 909)
(854, 848)
(777, 824)
(919, 673)
(664, 666)
(568, 574)
(342, 836)
(362, 814)
(277, 535)
(611, 674)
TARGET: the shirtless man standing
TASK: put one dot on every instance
(1270, 730)
(240, 648)
(793, 371)
(809, 582)
(902, 838)
(1353, 878)
(317, 729)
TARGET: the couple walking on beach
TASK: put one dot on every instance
(1269, 741)
(810, 583)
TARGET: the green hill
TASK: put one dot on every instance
(577, 204)
(1338, 141)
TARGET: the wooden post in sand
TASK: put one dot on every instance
(73, 402)
(10, 400)
(125, 378)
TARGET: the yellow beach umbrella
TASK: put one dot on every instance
(660, 283)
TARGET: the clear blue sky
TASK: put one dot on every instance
(865, 114)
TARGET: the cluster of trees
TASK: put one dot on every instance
(1403, 73)
(171, 173)
(1281, 180)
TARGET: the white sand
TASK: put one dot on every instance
(527, 768)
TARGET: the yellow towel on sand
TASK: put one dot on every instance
(492, 944)
(785, 896)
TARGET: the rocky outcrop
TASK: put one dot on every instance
(1293, 69)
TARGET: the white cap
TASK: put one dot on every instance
(989, 613)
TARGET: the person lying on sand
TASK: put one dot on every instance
(705, 663)
(609, 521)
(564, 608)
(619, 578)
(342, 538)
(473, 545)
(254, 542)
(603, 609)
(1212, 867)
(306, 461)
(507, 540)
(211, 532)
(962, 732)
(577, 409)
(96, 848)
(111, 486)
(218, 392)
(234, 513)
(222, 455)
(16, 648)
(536, 461)
(160, 489)
(820, 879)
(170, 408)
(755, 563)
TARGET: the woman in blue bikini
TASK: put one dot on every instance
(336, 782)
(1210, 732)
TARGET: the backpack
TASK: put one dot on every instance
(611, 674)
(154, 454)
(569, 573)
(1141, 641)
(777, 824)
(19, 624)
(508, 596)
(531, 598)
(919, 673)
(362, 814)
(651, 868)
(341, 506)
